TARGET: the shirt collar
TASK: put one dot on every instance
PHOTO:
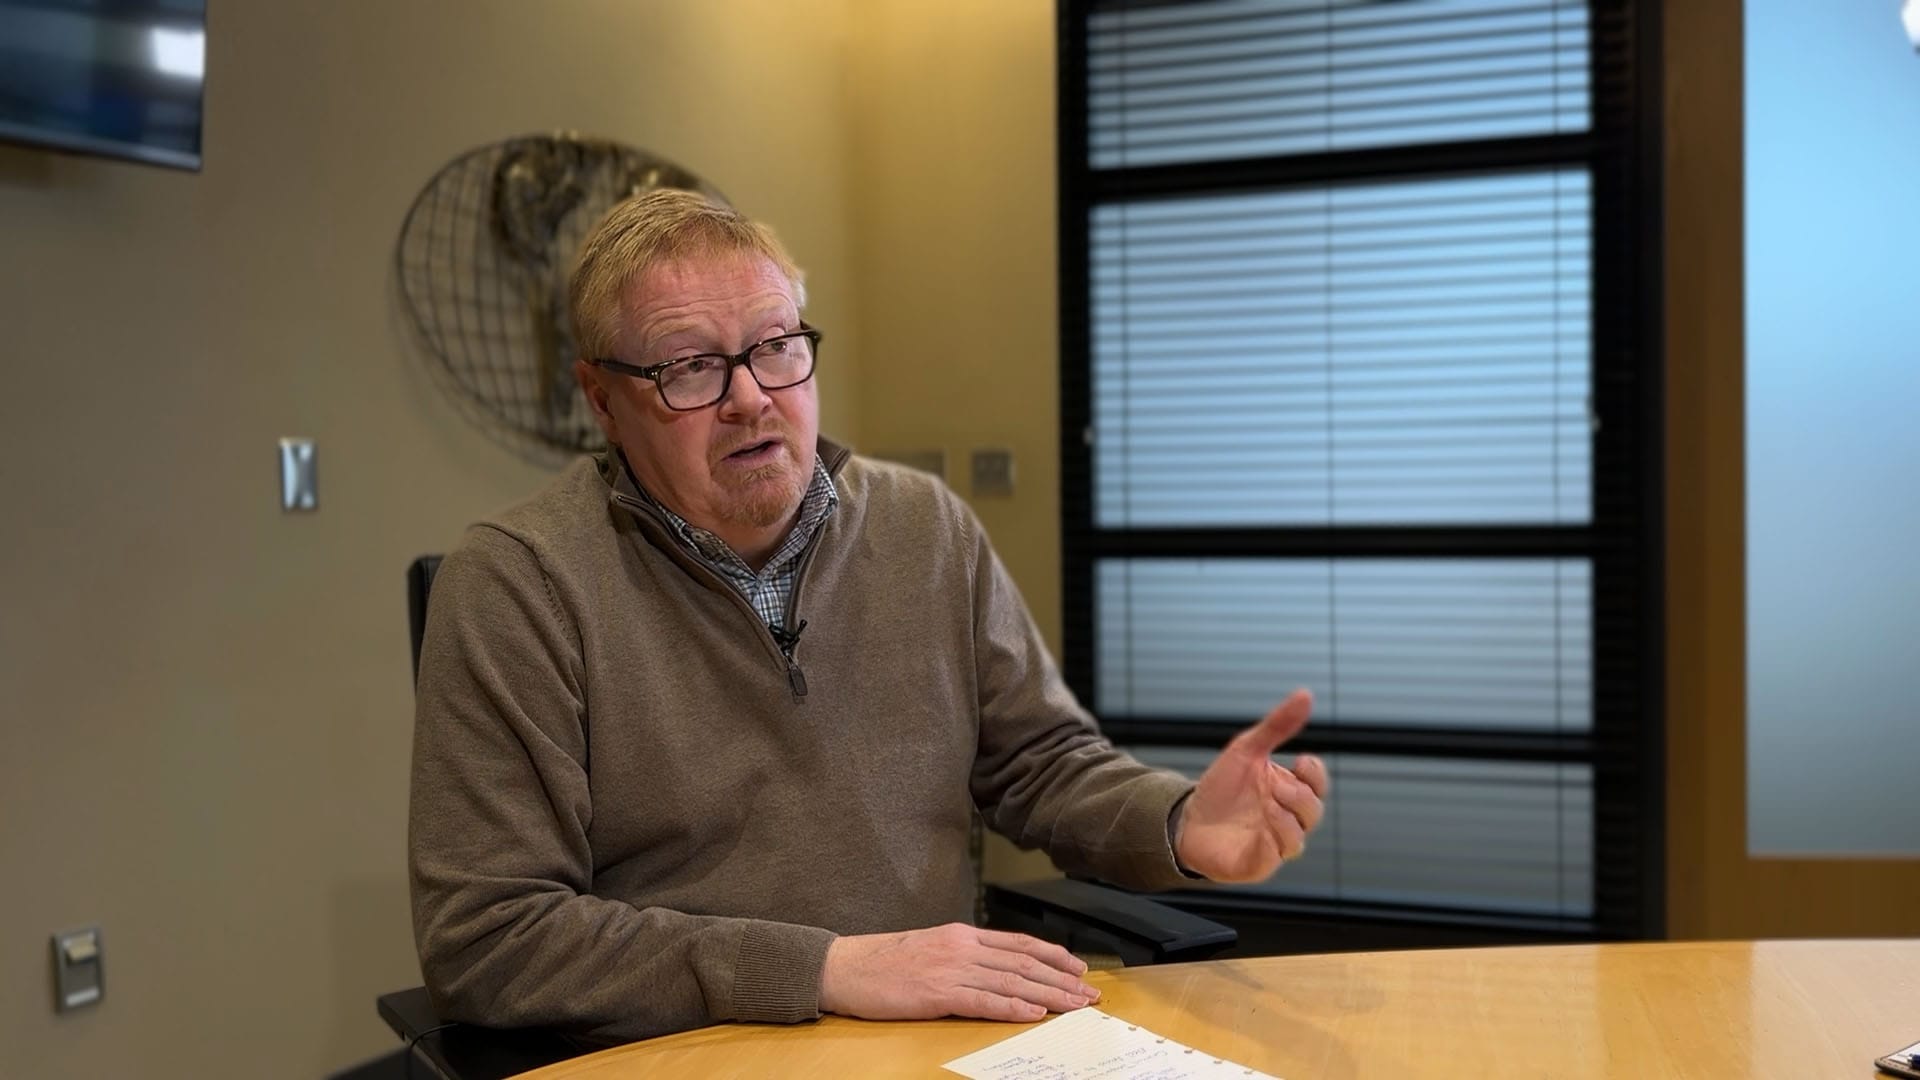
(819, 501)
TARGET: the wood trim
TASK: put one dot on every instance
(1706, 568)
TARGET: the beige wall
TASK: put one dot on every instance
(953, 173)
(956, 268)
(206, 701)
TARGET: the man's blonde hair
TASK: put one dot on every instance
(645, 230)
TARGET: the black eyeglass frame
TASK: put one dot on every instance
(743, 358)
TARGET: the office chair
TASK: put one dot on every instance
(1082, 916)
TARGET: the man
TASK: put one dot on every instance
(701, 728)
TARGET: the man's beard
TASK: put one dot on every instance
(768, 495)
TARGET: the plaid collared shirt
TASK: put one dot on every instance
(770, 589)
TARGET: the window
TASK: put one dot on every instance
(1359, 392)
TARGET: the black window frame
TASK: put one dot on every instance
(1624, 539)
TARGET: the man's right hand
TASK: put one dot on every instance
(951, 970)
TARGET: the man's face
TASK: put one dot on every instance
(738, 468)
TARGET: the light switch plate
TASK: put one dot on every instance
(79, 969)
(993, 472)
(299, 484)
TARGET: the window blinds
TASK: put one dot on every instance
(1333, 275)
(1403, 353)
(1246, 78)
(1483, 643)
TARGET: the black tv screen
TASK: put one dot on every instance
(115, 77)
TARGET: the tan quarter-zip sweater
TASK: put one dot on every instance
(633, 813)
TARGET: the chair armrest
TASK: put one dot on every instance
(464, 1051)
(1082, 915)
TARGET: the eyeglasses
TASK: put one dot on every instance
(695, 382)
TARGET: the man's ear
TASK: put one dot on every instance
(588, 377)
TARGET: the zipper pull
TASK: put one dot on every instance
(786, 638)
(796, 679)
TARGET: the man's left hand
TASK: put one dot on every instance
(1250, 813)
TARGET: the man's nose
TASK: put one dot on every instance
(744, 396)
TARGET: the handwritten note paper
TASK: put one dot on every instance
(1087, 1044)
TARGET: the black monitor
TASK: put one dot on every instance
(121, 78)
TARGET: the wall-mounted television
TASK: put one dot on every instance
(121, 78)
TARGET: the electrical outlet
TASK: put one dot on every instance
(993, 472)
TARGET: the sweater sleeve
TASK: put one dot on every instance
(508, 930)
(1044, 776)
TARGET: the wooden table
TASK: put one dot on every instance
(1795, 1010)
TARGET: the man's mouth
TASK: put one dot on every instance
(754, 452)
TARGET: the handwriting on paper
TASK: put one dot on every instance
(1087, 1044)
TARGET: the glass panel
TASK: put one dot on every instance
(1833, 447)
(1483, 643)
(1408, 353)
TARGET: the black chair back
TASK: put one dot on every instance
(419, 584)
